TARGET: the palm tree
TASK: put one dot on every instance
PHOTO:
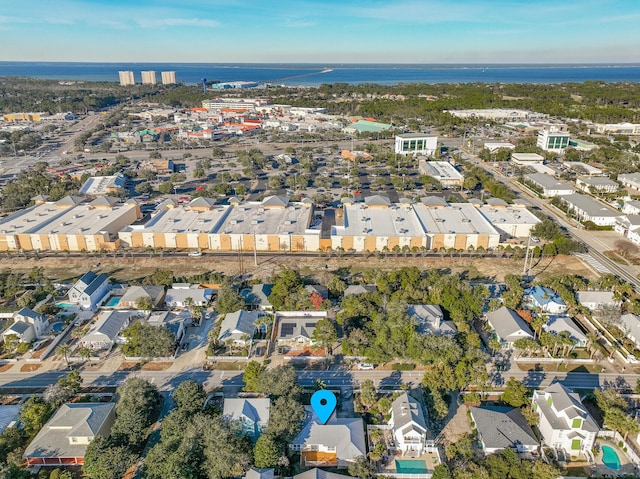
(85, 353)
(592, 344)
(64, 350)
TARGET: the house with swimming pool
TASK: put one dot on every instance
(565, 424)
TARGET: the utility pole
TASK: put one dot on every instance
(255, 247)
(526, 256)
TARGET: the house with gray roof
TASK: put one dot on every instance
(564, 324)
(360, 289)
(316, 473)
(597, 184)
(105, 332)
(63, 440)
(133, 293)
(251, 413)
(548, 185)
(408, 425)
(89, 291)
(239, 326)
(594, 300)
(565, 424)
(502, 427)
(259, 473)
(177, 297)
(586, 208)
(258, 296)
(429, 319)
(28, 325)
(630, 324)
(508, 327)
(337, 443)
(295, 328)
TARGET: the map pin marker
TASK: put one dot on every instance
(323, 403)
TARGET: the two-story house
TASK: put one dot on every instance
(429, 319)
(251, 413)
(335, 444)
(408, 425)
(28, 325)
(545, 299)
(565, 424)
(63, 440)
(89, 291)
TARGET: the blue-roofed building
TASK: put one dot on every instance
(545, 299)
(89, 291)
(251, 413)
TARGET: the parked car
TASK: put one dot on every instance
(365, 366)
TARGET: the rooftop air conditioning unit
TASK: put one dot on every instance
(255, 222)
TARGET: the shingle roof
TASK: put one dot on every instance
(132, 293)
(377, 200)
(255, 473)
(255, 409)
(281, 201)
(107, 327)
(502, 427)
(235, 324)
(316, 473)
(71, 420)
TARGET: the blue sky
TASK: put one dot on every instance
(325, 31)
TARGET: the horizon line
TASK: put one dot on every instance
(598, 63)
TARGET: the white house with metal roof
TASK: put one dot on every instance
(89, 291)
(508, 327)
(564, 324)
(429, 319)
(597, 299)
(408, 425)
(630, 324)
(105, 332)
(565, 424)
(28, 325)
(239, 326)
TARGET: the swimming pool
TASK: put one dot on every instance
(65, 305)
(411, 466)
(610, 458)
(57, 327)
(113, 302)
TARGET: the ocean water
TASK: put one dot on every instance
(317, 74)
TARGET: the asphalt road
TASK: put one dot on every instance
(167, 381)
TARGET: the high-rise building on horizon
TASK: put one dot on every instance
(168, 78)
(149, 77)
(126, 78)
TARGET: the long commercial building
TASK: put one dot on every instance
(67, 225)
(274, 224)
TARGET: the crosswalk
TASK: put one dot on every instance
(595, 264)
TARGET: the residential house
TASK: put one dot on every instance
(173, 321)
(251, 413)
(318, 289)
(631, 207)
(360, 289)
(259, 473)
(9, 415)
(560, 324)
(258, 297)
(133, 293)
(545, 299)
(508, 327)
(594, 300)
(239, 327)
(565, 424)
(177, 296)
(334, 444)
(316, 473)
(630, 324)
(502, 427)
(89, 291)
(28, 325)
(295, 328)
(429, 319)
(631, 180)
(408, 425)
(63, 440)
(104, 333)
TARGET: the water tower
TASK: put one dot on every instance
(204, 85)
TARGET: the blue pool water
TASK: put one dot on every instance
(65, 305)
(610, 458)
(411, 466)
(113, 302)
(57, 327)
